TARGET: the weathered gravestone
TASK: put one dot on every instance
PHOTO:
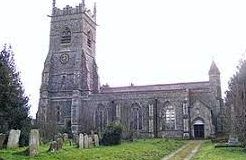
(65, 137)
(90, 142)
(59, 143)
(92, 133)
(76, 139)
(33, 142)
(53, 146)
(3, 138)
(96, 140)
(86, 141)
(81, 141)
(59, 135)
(233, 140)
(13, 139)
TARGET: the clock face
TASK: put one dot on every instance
(64, 58)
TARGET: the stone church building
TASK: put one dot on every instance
(70, 92)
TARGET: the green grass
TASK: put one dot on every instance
(151, 149)
(208, 152)
(182, 154)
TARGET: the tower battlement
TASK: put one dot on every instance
(69, 10)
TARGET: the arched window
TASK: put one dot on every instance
(167, 117)
(66, 36)
(58, 114)
(89, 39)
(101, 117)
(170, 117)
(136, 118)
(163, 118)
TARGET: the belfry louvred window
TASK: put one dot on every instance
(89, 39)
(66, 36)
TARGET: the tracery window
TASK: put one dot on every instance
(66, 36)
(170, 117)
(136, 118)
(58, 114)
(101, 117)
(167, 117)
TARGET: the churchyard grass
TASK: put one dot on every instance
(149, 149)
(209, 152)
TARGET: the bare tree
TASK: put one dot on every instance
(236, 102)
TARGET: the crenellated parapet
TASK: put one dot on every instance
(69, 10)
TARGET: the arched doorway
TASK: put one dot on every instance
(198, 129)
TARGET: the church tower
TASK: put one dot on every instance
(70, 69)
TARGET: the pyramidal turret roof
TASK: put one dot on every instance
(214, 69)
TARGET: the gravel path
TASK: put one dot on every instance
(186, 152)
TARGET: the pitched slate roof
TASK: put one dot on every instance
(158, 87)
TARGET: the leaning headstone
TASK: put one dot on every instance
(59, 135)
(53, 146)
(96, 140)
(33, 142)
(233, 140)
(81, 141)
(59, 143)
(65, 137)
(13, 140)
(92, 133)
(86, 141)
(2, 140)
(90, 142)
(76, 139)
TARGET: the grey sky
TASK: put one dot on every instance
(138, 41)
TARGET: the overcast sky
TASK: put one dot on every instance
(138, 41)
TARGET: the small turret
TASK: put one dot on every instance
(95, 12)
(83, 4)
(214, 69)
(53, 6)
(214, 79)
(215, 85)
